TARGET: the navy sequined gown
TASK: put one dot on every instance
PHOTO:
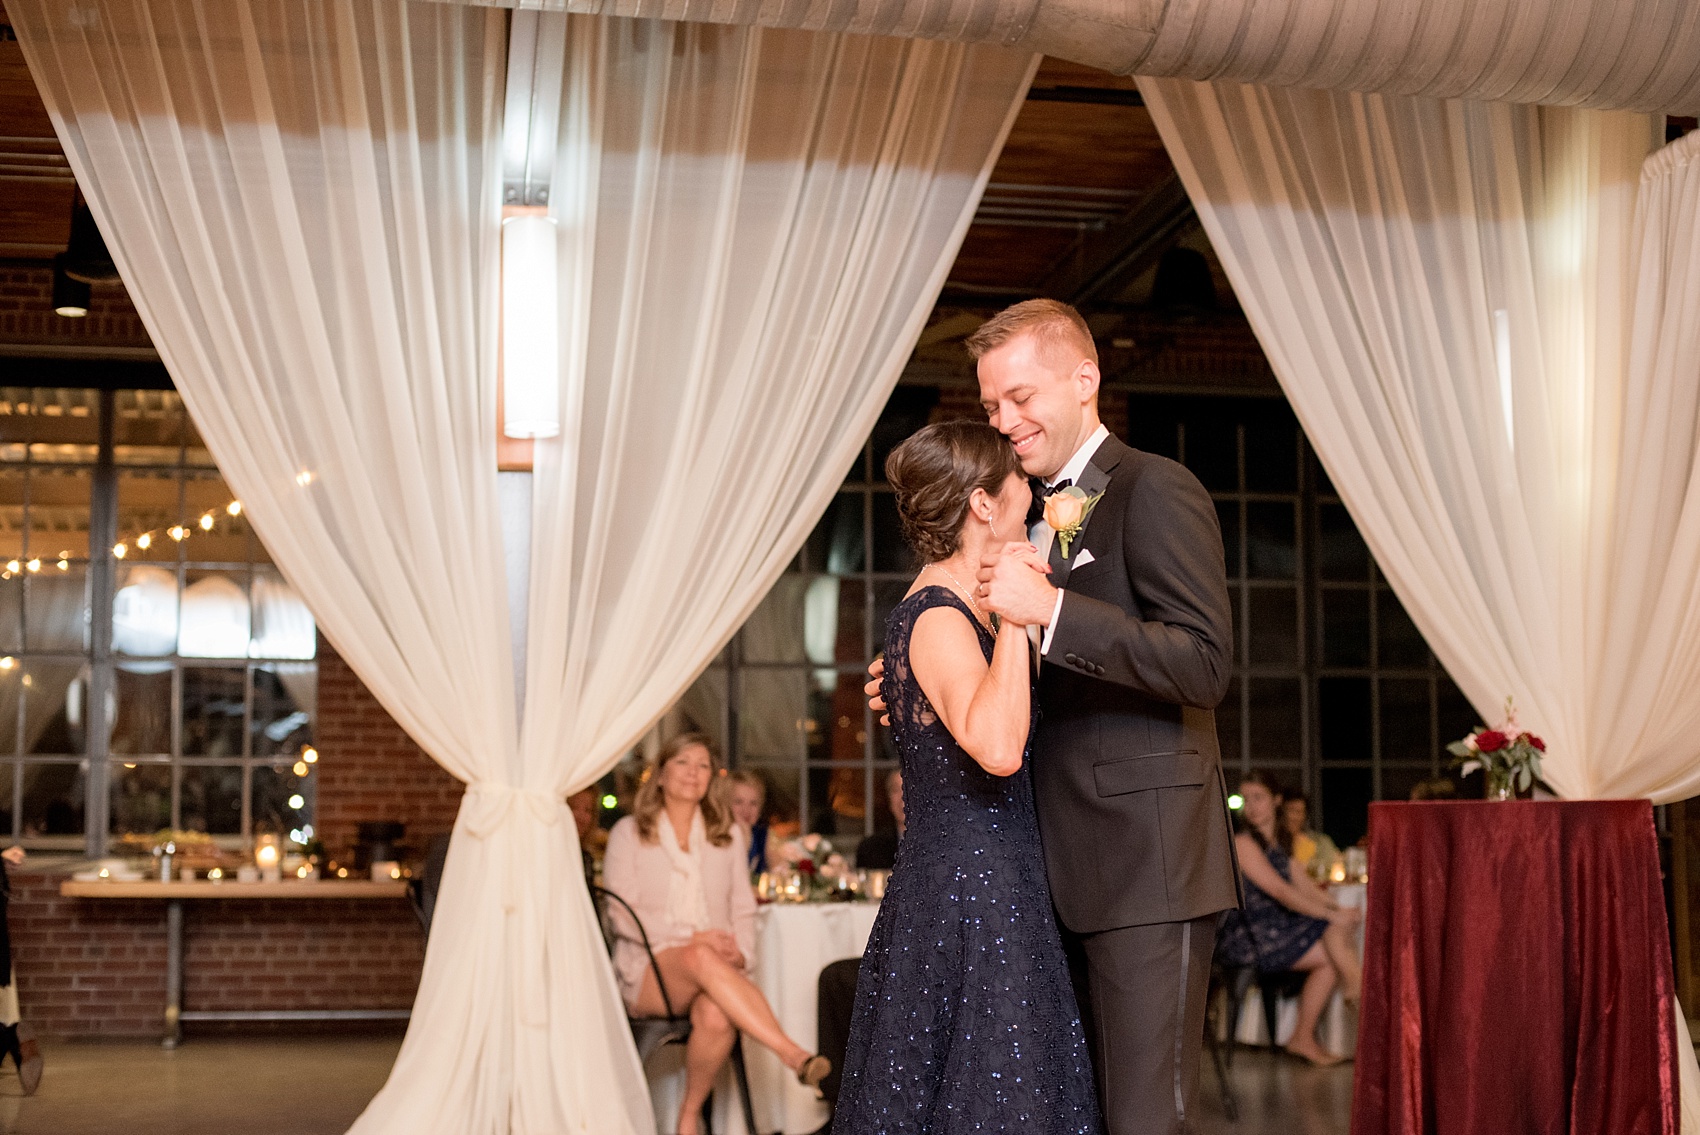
(965, 1020)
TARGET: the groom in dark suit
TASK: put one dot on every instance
(1137, 648)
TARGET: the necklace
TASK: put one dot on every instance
(966, 594)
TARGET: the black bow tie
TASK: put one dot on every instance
(1041, 492)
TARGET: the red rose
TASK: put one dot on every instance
(1535, 741)
(1490, 740)
(806, 866)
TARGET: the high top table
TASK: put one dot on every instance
(175, 893)
(1517, 972)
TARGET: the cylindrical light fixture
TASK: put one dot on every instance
(531, 372)
(70, 297)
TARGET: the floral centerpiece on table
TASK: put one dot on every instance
(812, 858)
(1507, 754)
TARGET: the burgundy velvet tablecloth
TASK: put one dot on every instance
(1517, 972)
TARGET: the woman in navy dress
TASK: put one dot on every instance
(965, 1019)
(1289, 924)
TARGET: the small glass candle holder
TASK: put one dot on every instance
(268, 858)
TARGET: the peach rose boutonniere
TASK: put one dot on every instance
(1066, 511)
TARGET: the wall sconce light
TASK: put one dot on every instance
(531, 373)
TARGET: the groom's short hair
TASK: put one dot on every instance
(1058, 328)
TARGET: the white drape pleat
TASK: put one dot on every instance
(303, 198)
(1485, 335)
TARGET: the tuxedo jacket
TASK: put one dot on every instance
(1127, 773)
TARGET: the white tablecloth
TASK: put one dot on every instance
(794, 942)
(1339, 1030)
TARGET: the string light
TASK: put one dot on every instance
(310, 755)
(206, 522)
(300, 768)
(34, 565)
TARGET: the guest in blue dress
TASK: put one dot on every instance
(747, 796)
(965, 1018)
(1289, 924)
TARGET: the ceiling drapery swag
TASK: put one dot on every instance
(1618, 54)
(1478, 312)
(304, 198)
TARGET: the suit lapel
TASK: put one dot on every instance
(1094, 479)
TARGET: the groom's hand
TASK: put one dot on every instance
(872, 689)
(1013, 585)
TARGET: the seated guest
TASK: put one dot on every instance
(681, 863)
(747, 795)
(592, 840)
(1289, 924)
(879, 851)
(1308, 846)
(1438, 789)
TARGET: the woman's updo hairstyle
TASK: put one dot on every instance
(935, 471)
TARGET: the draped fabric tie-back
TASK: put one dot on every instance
(304, 199)
(1612, 54)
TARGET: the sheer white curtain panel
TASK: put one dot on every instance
(1477, 311)
(761, 235)
(303, 198)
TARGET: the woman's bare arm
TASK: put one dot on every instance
(986, 708)
(1260, 871)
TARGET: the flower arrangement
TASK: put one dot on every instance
(812, 857)
(1509, 756)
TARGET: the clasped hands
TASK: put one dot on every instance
(721, 943)
(1011, 585)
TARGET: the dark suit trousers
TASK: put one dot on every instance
(1142, 999)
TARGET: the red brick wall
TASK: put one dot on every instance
(27, 315)
(369, 769)
(95, 968)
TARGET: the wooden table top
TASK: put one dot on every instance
(231, 889)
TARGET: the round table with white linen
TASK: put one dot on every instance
(794, 942)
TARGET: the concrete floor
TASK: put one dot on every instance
(318, 1086)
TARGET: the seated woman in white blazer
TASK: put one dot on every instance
(682, 865)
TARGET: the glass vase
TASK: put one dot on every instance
(1501, 784)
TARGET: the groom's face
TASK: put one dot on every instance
(1042, 400)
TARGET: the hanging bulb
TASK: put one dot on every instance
(34, 565)
(144, 541)
(310, 754)
(177, 532)
(207, 522)
(63, 564)
(13, 566)
(120, 550)
(234, 508)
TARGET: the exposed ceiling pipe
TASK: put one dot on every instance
(1621, 54)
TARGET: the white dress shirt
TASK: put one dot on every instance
(1041, 533)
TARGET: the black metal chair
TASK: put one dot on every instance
(1219, 1034)
(651, 1034)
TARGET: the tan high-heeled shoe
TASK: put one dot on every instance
(813, 1070)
